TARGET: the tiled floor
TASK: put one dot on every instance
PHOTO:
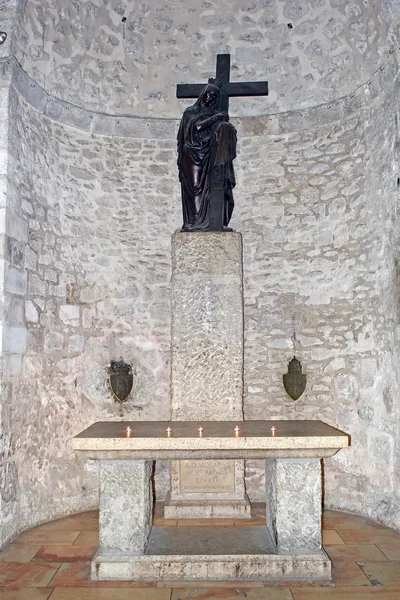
(52, 561)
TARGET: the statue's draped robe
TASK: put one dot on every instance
(205, 158)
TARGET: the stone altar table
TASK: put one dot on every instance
(287, 547)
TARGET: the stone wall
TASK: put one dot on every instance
(8, 483)
(10, 304)
(124, 57)
(321, 283)
(370, 396)
(93, 199)
(316, 205)
(97, 264)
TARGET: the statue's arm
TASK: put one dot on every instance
(201, 125)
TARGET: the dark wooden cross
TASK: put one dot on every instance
(240, 88)
(228, 89)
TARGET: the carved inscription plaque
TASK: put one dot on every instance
(210, 476)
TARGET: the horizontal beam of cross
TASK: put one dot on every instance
(254, 88)
(228, 89)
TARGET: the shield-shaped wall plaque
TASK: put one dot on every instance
(120, 378)
(294, 380)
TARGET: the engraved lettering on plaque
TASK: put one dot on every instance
(210, 476)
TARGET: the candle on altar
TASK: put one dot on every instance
(168, 430)
(273, 429)
(236, 430)
(200, 430)
(128, 432)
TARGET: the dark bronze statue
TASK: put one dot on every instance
(206, 149)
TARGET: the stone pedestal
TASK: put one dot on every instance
(294, 504)
(207, 367)
(205, 489)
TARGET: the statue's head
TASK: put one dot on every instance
(210, 96)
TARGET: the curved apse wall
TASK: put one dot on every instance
(96, 198)
(311, 51)
(315, 204)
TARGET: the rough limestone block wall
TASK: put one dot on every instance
(13, 334)
(7, 466)
(92, 201)
(97, 262)
(8, 9)
(311, 51)
(99, 211)
(370, 396)
(10, 304)
(321, 282)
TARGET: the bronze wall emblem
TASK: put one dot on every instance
(294, 380)
(120, 378)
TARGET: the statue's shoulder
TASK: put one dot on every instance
(190, 111)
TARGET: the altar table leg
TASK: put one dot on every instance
(126, 502)
(294, 504)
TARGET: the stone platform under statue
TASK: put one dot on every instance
(287, 547)
(207, 368)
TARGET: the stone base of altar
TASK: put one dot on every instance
(207, 509)
(286, 547)
(212, 553)
(207, 489)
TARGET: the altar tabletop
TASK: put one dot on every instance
(182, 439)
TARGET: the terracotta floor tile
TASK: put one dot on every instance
(348, 538)
(348, 574)
(290, 584)
(252, 521)
(109, 594)
(382, 573)
(331, 537)
(62, 554)
(340, 514)
(369, 536)
(77, 575)
(87, 538)
(161, 522)
(355, 552)
(26, 574)
(19, 553)
(237, 593)
(258, 508)
(193, 585)
(347, 593)
(158, 510)
(25, 593)
(47, 537)
(392, 551)
(204, 522)
(340, 520)
(88, 521)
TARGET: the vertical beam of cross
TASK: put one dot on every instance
(222, 76)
